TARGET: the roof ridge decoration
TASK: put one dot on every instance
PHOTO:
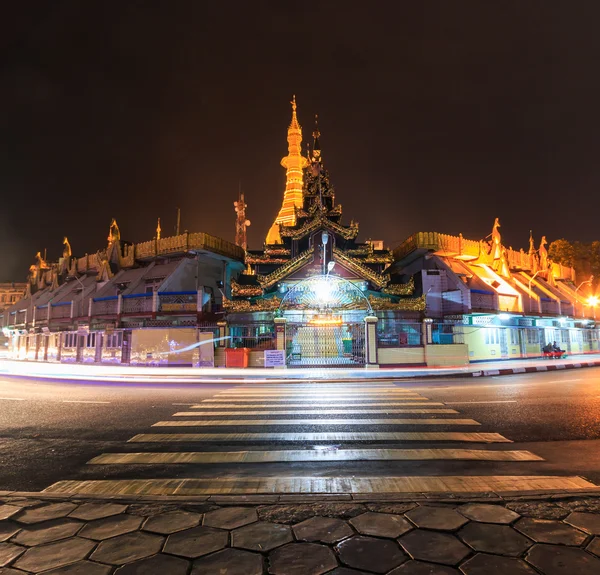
(288, 268)
(378, 279)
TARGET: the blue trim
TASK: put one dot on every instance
(132, 295)
(546, 299)
(42, 306)
(61, 303)
(177, 293)
(106, 298)
(482, 291)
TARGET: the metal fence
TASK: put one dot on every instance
(253, 336)
(398, 333)
(137, 303)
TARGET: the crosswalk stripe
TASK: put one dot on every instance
(345, 422)
(318, 393)
(321, 406)
(286, 391)
(476, 437)
(310, 455)
(285, 404)
(313, 412)
(355, 485)
(335, 400)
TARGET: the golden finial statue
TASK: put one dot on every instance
(496, 240)
(543, 254)
(114, 235)
(67, 249)
(158, 230)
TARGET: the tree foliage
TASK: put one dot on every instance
(585, 258)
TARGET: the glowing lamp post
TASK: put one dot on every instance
(325, 241)
(593, 302)
(589, 282)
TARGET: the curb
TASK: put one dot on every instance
(274, 499)
(550, 367)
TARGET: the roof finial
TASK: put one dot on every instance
(294, 125)
(316, 135)
(158, 229)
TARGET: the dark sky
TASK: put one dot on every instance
(435, 116)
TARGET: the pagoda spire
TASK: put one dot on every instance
(294, 163)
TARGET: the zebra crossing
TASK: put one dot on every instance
(251, 428)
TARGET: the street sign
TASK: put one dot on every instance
(274, 358)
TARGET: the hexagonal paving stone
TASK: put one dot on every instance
(381, 524)
(483, 564)
(47, 532)
(231, 562)
(46, 512)
(302, 559)
(559, 560)
(549, 531)
(488, 513)
(11, 571)
(261, 536)
(442, 518)
(81, 568)
(413, 567)
(291, 514)
(7, 511)
(111, 527)
(230, 517)
(159, 564)
(376, 555)
(324, 529)
(171, 522)
(490, 538)
(588, 522)
(127, 548)
(196, 542)
(91, 511)
(434, 547)
(8, 529)
(9, 552)
(594, 546)
(539, 509)
(55, 555)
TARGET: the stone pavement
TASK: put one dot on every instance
(300, 535)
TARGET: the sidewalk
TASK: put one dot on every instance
(481, 534)
(160, 375)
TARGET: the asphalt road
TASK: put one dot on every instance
(50, 431)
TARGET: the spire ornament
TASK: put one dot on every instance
(294, 163)
(158, 230)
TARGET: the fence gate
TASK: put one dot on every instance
(325, 345)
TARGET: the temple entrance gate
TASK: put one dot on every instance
(325, 322)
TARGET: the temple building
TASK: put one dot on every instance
(313, 291)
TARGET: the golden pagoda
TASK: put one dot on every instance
(294, 163)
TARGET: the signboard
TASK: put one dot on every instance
(190, 306)
(83, 328)
(274, 358)
(45, 329)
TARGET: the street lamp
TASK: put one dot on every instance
(593, 302)
(589, 282)
(530, 281)
(82, 292)
(325, 240)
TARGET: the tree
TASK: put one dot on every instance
(562, 251)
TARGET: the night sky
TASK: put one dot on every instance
(435, 116)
